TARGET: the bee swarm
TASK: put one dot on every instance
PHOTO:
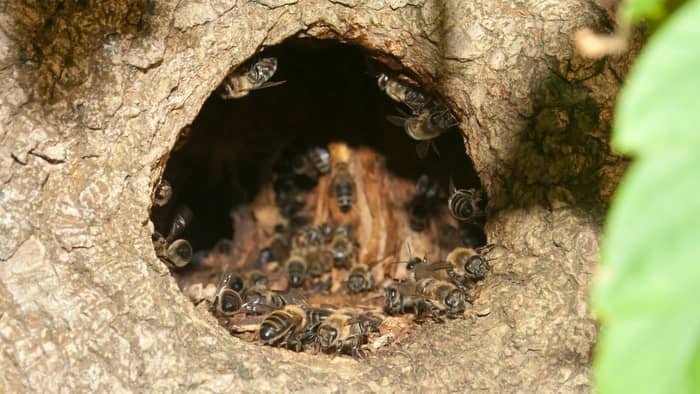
(323, 236)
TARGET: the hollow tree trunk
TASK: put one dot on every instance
(95, 94)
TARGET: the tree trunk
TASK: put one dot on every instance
(95, 95)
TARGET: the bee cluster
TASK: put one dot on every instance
(308, 287)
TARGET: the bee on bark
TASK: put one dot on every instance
(179, 253)
(292, 326)
(444, 298)
(344, 245)
(164, 192)
(401, 297)
(257, 76)
(467, 205)
(360, 279)
(343, 332)
(175, 252)
(423, 269)
(182, 220)
(402, 93)
(281, 325)
(343, 187)
(468, 265)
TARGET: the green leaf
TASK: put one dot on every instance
(636, 10)
(648, 295)
(658, 108)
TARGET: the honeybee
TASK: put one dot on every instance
(182, 219)
(259, 300)
(468, 265)
(257, 76)
(321, 159)
(296, 267)
(316, 161)
(444, 298)
(281, 325)
(227, 301)
(280, 244)
(343, 187)
(467, 205)
(164, 193)
(264, 256)
(179, 253)
(424, 127)
(402, 93)
(318, 261)
(401, 297)
(422, 269)
(423, 203)
(307, 236)
(343, 332)
(343, 246)
(239, 281)
(360, 279)
(326, 231)
(292, 326)
(174, 254)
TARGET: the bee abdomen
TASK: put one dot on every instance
(344, 196)
(461, 205)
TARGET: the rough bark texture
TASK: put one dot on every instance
(95, 94)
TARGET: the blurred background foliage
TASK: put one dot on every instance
(645, 295)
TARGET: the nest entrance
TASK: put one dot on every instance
(223, 169)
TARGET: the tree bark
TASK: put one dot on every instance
(95, 95)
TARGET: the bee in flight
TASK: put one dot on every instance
(425, 126)
(257, 76)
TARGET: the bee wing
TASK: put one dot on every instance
(422, 271)
(396, 120)
(269, 85)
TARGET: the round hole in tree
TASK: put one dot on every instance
(247, 190)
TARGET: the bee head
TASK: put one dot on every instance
(356, 282)
(327, 335)
(476, 266)
(455, 302)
